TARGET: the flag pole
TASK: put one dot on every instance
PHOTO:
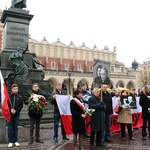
(10, 104)
(101, 94)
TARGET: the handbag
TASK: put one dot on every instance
(117, 109)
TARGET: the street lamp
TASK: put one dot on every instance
(69, 80)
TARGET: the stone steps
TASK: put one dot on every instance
(47, 117)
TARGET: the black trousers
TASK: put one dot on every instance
(123, 131)
(36, 122)
(144, 126)
(98, 137)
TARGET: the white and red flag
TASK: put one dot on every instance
(63, 102)
(4, 99)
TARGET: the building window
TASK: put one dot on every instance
(66, 66)
(112, 68)
(79, 68)
(122, 69)
(91, 68)
(53, 65)
(145, 67)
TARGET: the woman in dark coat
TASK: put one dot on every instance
(97, 119)
(78, 118)
(145, 104)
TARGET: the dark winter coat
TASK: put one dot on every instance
(107, 99)
(53, 100)
(97, 120)
(18, 103)
(145, 104)
(78, 122)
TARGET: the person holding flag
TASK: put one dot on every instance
(58, 91)
(15, 105)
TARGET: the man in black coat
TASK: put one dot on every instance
(113, 93)
(107, 99)
(58, 91)
(15, 104)
(35, 116)
(97, 120)
(145, 104)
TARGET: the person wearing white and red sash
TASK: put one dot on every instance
(145, 104)
(78, 117)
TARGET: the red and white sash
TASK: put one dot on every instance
(79, 103)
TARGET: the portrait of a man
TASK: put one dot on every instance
(104, 76)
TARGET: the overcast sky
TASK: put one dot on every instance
(123, 23)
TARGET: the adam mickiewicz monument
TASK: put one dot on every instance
(17, 63)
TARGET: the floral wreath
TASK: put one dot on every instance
(37, 102)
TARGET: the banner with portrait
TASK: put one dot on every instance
(128, 102)
(101, 72)
(136, 116)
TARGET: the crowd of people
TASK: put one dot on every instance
(100, 100)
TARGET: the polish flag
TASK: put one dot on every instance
(4, 99)
(63, 102)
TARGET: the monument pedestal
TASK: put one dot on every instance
(16, 34)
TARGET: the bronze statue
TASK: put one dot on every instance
(36, 62)
(38, 65)
(18, 3)
(21, 68)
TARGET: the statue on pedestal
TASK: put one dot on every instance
(21, 68)
(38, 65)
(18, 3)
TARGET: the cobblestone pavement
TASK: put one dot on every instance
(47, 135)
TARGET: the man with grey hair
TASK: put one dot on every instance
(104, 76)
(97, 120)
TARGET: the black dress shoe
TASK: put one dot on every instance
(100, 145)
(108, 140)
(144, 138)
(55, 139)
(30, 142)
(65, 138)
(39, 141)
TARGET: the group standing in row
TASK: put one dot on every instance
(100, 121)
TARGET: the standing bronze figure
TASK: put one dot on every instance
(18, 3)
